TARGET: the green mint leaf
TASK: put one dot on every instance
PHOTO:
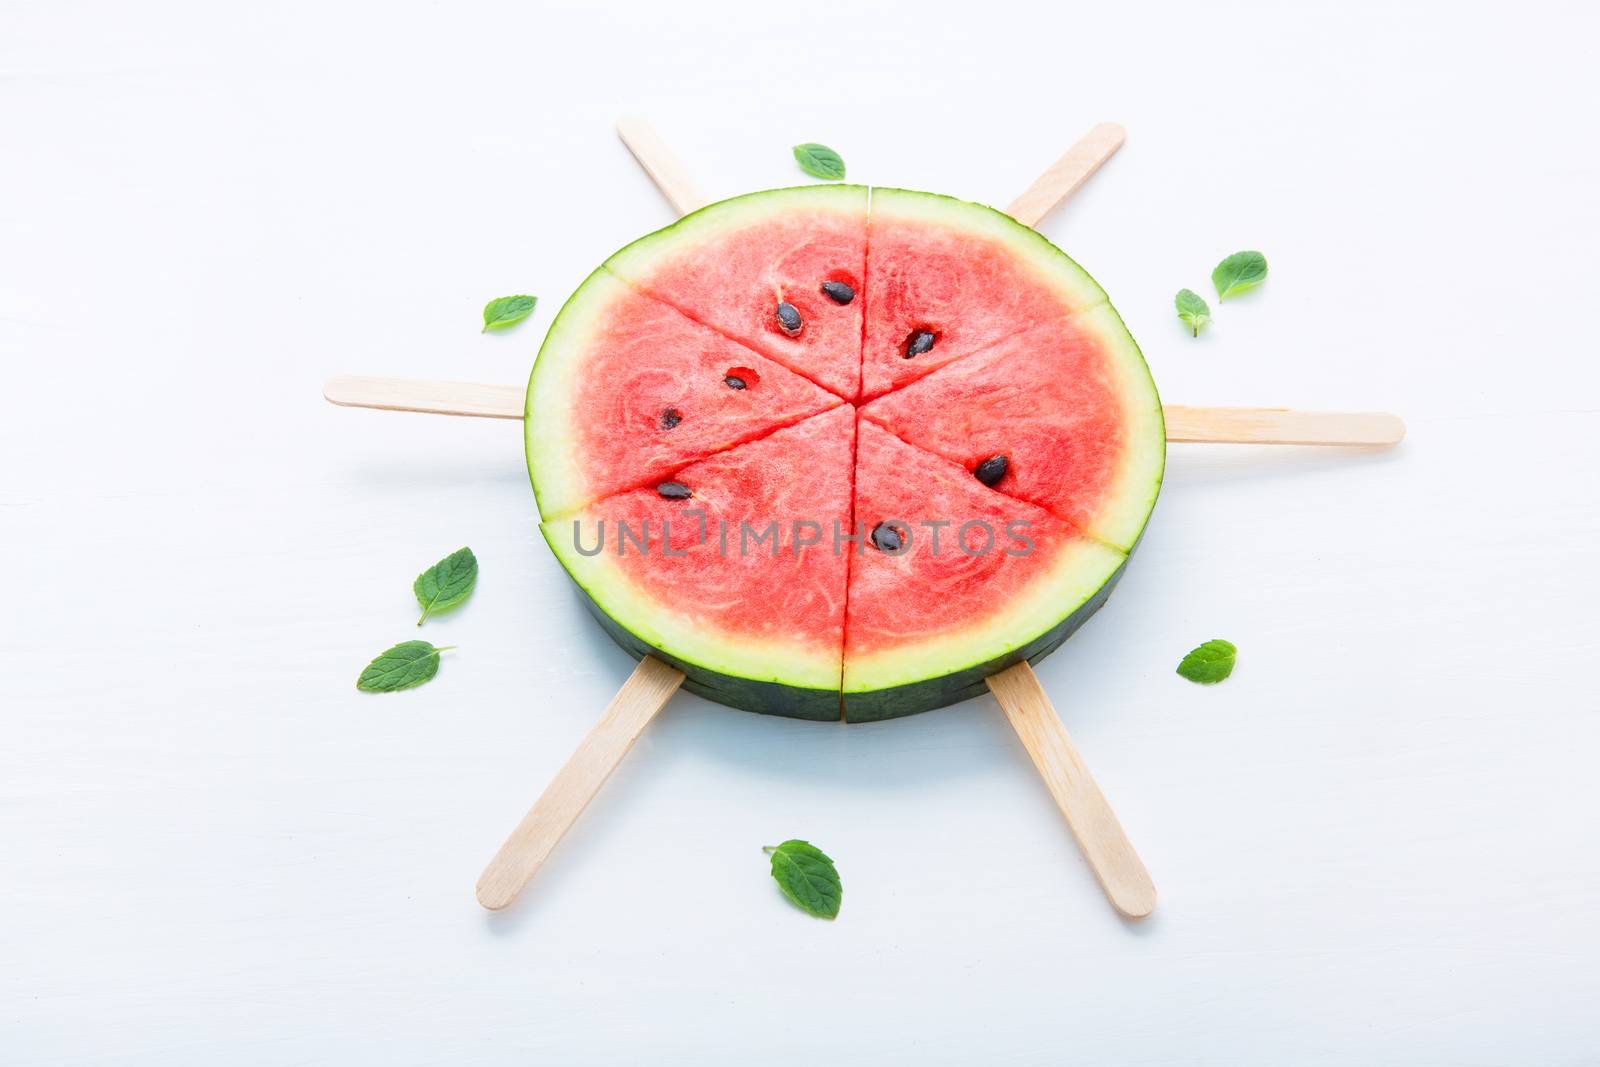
(1240, 271)
(505, 311)
(1210, 663)
(1192, 310)
(807, 877)
(405, 666)
(446, 583)
(819, 161)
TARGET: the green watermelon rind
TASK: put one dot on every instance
(714, 669)
(964, 683)
(1129, 531)
(760, 690)
(764, 696)
(1058, 268)
(547, 437)
(636, 261)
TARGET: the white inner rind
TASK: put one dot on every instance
(1054, 267)
(1077, 573)
(552, 441)
(638, 261)
(1131, 494)
(683, 634)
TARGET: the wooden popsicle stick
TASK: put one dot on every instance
(1121, 873)
(1066, 174)
(1259, 426)
(431, 398)
(646, 691)
(662, 164)
(1282, 426)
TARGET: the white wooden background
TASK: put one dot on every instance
(1375, 844)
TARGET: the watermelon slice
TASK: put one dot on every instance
(998, 582)
(730, 265)
(960, 275)
(627, 389)
(1071, 407)
(747, 402)
(730, 575)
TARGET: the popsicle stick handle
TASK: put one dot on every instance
(646, 691)
(662, 164)
(432, 398)
(1066, 174)
(1254, 426)
(1282, 426)
(1121, 873)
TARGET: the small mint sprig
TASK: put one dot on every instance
(1192, 309)
(807, 877)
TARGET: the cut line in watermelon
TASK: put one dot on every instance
(731, 264)
(1082, 433)
(689, 580)
(918, 634)
(965, 273)
(642, 417)
(990, 383)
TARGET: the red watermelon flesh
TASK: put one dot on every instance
(960, 278)
(1030, 362)
(1045, 399)
(657, 390)
(929, 591)
(732, 274)
(776, 604)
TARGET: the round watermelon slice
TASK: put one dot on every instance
(839, 452)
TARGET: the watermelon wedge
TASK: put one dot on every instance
(732, 264)
(980, 581)
(840, 453)
(1070, 406)
(961, 277)
(627, 389)
(731, 574)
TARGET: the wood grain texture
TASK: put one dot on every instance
(1067, 174)
(1121, 873)
(646, 692)
(1282, 426)
(1260, 426)
(662, 164)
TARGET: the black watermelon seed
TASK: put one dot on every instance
(886, 538)
(839, 292)
(674, 490)
(788, 318)
(919, 342)
(670, 418)
(991, 470)
(733, 381)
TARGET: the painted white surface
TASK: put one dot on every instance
(1375, 844)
